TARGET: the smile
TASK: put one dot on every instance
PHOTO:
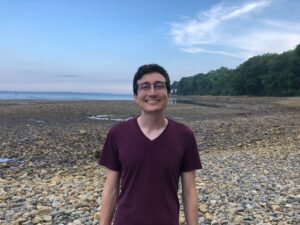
(152, 100)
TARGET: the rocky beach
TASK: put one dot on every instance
(249, 148)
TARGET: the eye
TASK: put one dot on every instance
(145, 86)
(159, 85)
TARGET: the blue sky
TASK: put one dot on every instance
(97, 46)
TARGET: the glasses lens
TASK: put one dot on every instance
(159, 85)
(145, 86)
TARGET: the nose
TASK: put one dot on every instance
(152, 91)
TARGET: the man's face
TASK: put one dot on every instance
(152, 95)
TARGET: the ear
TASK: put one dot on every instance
(135, 98)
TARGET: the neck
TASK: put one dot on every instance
(152, 121)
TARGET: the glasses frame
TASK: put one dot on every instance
(154, 85)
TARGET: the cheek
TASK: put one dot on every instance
(138, 98)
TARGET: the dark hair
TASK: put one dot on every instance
(150, 68)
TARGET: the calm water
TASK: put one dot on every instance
(4, 160)
(63, 96)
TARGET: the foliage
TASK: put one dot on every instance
(265, 75)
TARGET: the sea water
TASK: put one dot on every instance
(20, 95)
(4, 160)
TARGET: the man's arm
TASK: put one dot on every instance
(190, 197)
(109, 197)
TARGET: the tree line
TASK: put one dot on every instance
(265, 75)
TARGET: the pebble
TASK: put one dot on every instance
(203, 208)
(77, 222)
(96, 216)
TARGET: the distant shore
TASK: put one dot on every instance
(37, 95)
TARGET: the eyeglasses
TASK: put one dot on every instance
(157, 85)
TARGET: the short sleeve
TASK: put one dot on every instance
(191, 158)
(110, 156)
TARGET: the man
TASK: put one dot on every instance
(145, 156)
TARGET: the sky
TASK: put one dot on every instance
(97, 46)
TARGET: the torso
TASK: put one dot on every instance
(150, 168)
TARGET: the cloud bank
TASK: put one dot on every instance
(242, 30)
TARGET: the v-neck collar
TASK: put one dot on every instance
(144, 135)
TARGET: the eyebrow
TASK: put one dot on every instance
(153, 82)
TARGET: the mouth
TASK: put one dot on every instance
(152, 100)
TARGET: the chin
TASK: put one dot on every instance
(154, 109)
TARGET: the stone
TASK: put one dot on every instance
(238, 219)
(82, 132)
(275, 207)
(181, 220)
(47, 218)
(37, 220)
(203, 208)
(4, 165)
(77, 222)
(3, 205)
(263, 178)
(96, 216)
(213, 202)
(43, 211)
(208, 217)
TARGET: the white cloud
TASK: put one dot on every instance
(196, 50)
(244, 9)
(236, 31)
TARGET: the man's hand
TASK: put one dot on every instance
(109, 197)
(190, 197)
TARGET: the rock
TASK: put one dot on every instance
(9, 213)
(263, 178)
(181, 220)
(26, 215)
(4, 165)
(30, 164)
(96, 216)
(96, 222)
(37, 220)
(208, 217)
(3, 205)
(19, 221)
(77, 222)
(214, 222)
(213, 202)
(29, 207)
(238, 219)
(82, 132)
(275, 207)
(47, 218)
(203, 208)
(42, 211)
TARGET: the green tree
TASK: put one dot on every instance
(265, 75)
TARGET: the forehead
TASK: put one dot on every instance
(155, 76)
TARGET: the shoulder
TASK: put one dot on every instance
(123, 126)
(181, 128)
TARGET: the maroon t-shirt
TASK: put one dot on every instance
(149, 171)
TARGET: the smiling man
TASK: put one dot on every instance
(146, 156)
